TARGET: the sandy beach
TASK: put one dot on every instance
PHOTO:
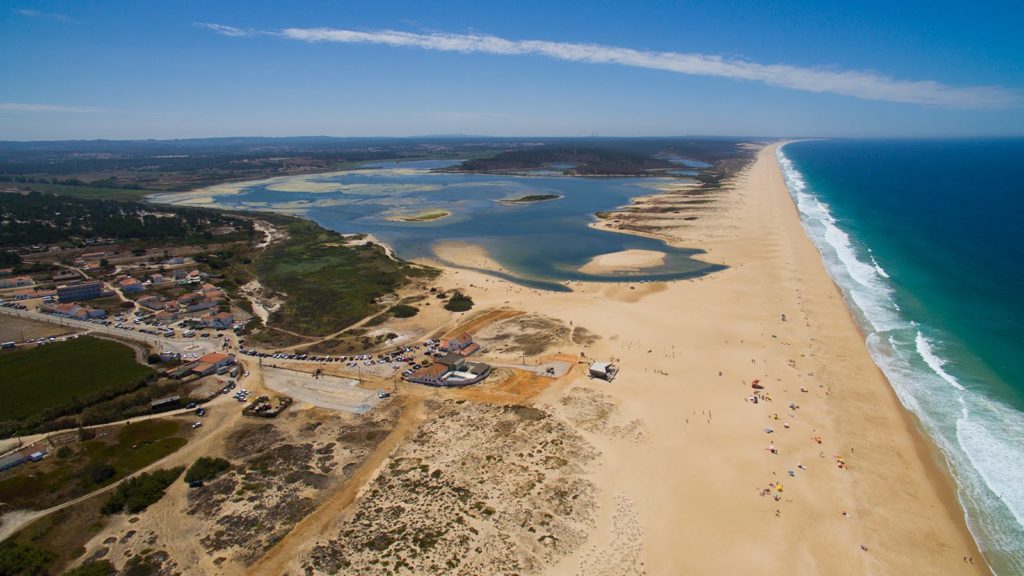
(825, 474)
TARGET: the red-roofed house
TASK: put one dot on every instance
(131, 286)
(222, 320)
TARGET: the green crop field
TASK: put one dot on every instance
(63, 374)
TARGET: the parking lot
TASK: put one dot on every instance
(326, 391)
(382, 365)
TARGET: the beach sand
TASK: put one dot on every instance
(684, 493)
(624, 261)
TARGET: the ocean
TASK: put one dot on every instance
(925, 239)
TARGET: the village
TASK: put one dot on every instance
(212, 373)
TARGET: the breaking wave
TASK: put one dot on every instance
(981, 438)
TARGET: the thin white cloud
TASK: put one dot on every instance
(866, 85)
(37, 14)
(32, 107)
(227, 30)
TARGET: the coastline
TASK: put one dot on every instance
(688, 493)
(688, 351)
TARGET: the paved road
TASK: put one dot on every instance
(180, 345)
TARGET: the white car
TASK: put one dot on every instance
(197, 425)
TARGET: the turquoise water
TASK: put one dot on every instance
(925, 240)
(540, 244)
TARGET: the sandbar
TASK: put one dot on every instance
(623, 262)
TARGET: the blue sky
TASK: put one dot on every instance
(89, 69)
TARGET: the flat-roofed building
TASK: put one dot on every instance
(81, 291)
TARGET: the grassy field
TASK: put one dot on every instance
(329, 285)
(91, 191)
(60, 537)
(123, 449)
(56, 375)
(14, 329)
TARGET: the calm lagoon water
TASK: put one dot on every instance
(541, 244)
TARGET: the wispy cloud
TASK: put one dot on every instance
(33, 107)
(227, 30)
(37, 14)
(867, 85)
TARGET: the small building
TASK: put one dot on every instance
(452, 361)
(65, 310)
(165, 317)
(156, 278)
(221, 321)
(451, 370)
(202, 304)
(131, 286)
(11, 460)
(186, 299)
(151, 302)
(218, 359)
(210, 363)
(31, 293)
(432, 375)
(603, 370)
(168, 403)
(16, 282)
(462, 344)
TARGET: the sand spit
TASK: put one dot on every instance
(465, 254)
(624, 261)
(826, 473)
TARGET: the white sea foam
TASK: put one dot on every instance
(878, 267)
(982, 440)
(924, 348)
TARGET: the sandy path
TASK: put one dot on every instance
(17, 519)
(316, 525)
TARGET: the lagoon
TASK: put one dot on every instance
(540, 244)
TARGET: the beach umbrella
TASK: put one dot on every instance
(756, 385)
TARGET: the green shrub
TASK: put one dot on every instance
(404, 311)
(206, 468)
(459, 302)
(93, 568)
(20, 560)
(139, 566)
(136, 494)
(100, 472)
